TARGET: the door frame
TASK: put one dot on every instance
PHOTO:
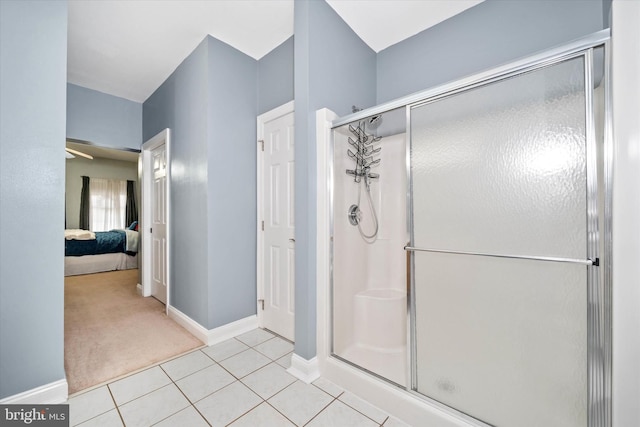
(145, 168)
(261, 121)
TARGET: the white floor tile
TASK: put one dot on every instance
(300, 402)
(339, 415)
(274, 348)
(285, 361)
(328, 386)
(264, 416)
(89, 405)
(394, 422)
(108, 419)
(269, 380)
(224, 406)
(244, 363)
(186, 365)
(187, 417)
(255, 337)
(225, 349)
(153, 407)
(202, 383)
(139, 384)
(363, 407)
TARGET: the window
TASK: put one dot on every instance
(108, 204)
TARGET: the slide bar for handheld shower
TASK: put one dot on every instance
(595, 262)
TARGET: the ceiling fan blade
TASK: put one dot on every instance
(78, 153)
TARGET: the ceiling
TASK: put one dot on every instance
(127, 48)
(103, 153)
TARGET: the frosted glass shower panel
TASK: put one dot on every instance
(502, 168)
(503, 340)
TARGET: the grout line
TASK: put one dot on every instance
(185, 396)
(186, 376)
(145, 394)
(360, 412)
(276, 409)
(252, 408)
(322, 410)
(228, 357)
(277, 335)
(116, 405)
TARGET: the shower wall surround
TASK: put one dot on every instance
(371, 303)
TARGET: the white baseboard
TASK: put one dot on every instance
(139, 288)
(213, 336)
(194, 328)
(48, 394)
(303, 369)
(232, 329)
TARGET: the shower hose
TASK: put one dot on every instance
(371, 207)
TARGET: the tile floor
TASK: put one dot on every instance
(241, 382)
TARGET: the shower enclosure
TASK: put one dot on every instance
(470, 244)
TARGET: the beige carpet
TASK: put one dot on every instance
(110, 330)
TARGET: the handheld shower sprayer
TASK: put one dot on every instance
(365, 150)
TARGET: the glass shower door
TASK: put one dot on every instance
(500, 248)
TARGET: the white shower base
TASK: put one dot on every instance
(380, 333)
(391, 365)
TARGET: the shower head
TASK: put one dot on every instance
(374, 121)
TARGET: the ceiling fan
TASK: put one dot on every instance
(71, 153)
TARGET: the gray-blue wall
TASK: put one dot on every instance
(103, 119)
(492, 33)
(33, 77)
(275, 77)
(210, 105)
(181, 104)
(334, 68)
(231, 198)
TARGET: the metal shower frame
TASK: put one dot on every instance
(599, 315)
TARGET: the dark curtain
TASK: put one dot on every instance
(131, 209)
(85, 202)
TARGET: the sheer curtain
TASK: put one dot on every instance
(108, 203)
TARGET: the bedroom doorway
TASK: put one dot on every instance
(155, 224)
(276, 225)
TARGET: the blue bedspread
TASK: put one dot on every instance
(106, 242)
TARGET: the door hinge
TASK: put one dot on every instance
(261, 141)
(261, 302)
(262, 225)
(151, 230)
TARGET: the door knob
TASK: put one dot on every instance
(292, 240)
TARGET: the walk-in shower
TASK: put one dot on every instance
(371, 303)
(469, 243)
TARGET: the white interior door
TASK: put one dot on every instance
(278, 243)
(158, 228)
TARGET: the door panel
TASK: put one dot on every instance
(501, 169)
(159, 224)
(279, 226)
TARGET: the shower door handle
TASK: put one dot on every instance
(595, 262)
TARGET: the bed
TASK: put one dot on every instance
(87, 252)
